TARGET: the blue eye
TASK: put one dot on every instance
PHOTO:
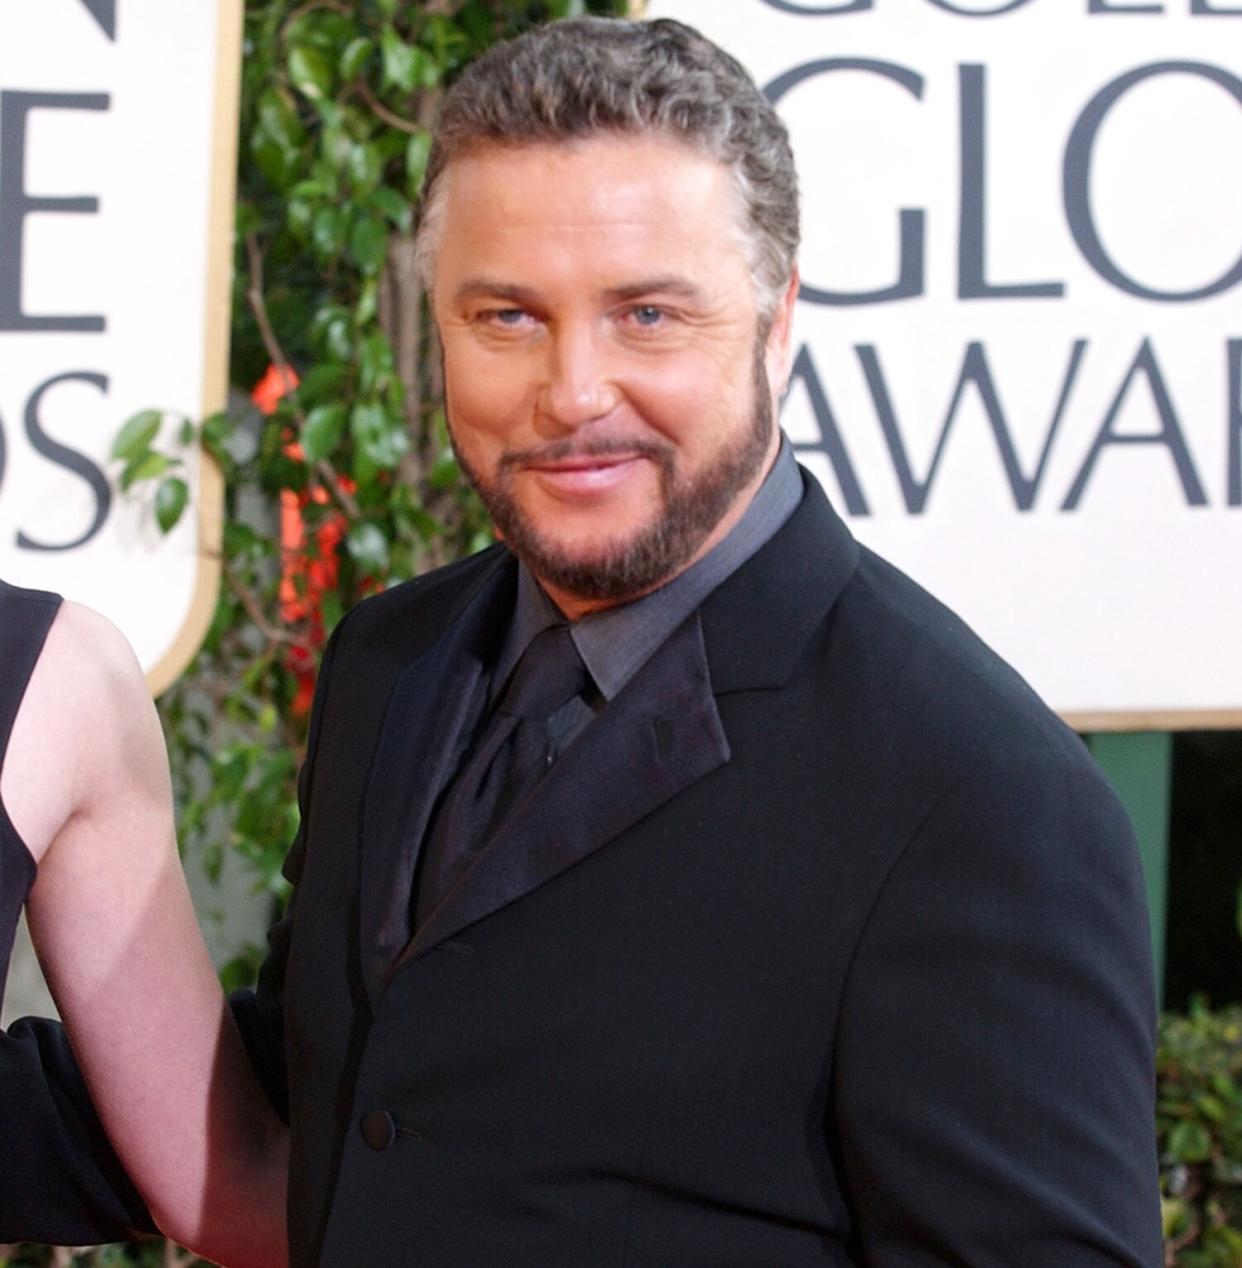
(648, 315)
(507, 316)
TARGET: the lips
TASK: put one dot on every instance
(585, 475)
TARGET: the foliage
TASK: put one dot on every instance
(1199, 1134)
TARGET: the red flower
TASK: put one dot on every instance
(275, 384)
(305, 577)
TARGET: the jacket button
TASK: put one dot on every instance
(378, 1129)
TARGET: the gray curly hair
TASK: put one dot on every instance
(581, 77)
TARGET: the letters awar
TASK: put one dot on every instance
(1026, 484)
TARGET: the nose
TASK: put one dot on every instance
(578, 386)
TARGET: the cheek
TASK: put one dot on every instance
(485, 405)
(699, 397)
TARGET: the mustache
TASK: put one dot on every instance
(575, 448)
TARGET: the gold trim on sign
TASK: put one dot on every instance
(1157, 720)
(209, 503)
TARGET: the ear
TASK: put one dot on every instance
(777, 350)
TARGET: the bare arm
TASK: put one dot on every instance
(86, 784)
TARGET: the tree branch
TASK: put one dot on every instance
(332, 478)
(381, 111)
(254, 610)
(258, 306)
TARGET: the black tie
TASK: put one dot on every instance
(508, 760)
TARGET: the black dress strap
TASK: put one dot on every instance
(25, 618)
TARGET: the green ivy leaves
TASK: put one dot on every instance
(310, 72)
(134, 448)
(1199, 1136)
(134, 439)
(406, 66)
(171, 498)
(322, 431)
(355, 57)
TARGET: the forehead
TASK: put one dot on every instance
(603, 204)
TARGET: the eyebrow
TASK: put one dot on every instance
(478, 287)
(670, 284)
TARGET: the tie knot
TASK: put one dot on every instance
(549, 675)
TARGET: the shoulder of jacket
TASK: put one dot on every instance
(930, 685)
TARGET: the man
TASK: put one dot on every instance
(807, 936)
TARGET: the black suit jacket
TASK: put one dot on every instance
(825, 944)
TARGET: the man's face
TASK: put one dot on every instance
(607, 381)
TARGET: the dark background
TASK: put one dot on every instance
(1204, 947)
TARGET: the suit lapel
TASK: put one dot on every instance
(757, 622)
(659, 735)
(425, 714)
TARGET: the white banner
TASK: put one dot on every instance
(1019, 368)
(117, 121)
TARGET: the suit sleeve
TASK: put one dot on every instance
(61, 1183)
(995, 1080)
(259, 1014)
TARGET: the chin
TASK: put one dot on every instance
(613, 571)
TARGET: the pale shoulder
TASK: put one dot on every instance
(86, 728)
(92, 682)
(83, 640)
(86, 651)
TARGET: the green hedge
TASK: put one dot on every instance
(1199, 1132)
